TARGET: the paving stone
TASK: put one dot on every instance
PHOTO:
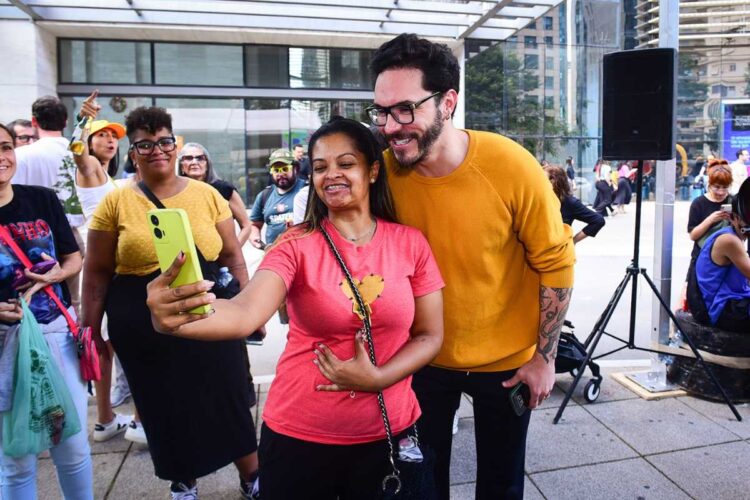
(632, 478)
(465, 491)
(722, 415)
(609, 390)
(556, 398)
(465, 408)
(105, 468)
(718, 471)
(464, 453)
(137, 479)
(659, 426)
(530, 491)
(577, 439)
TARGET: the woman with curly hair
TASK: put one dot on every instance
(192, 396)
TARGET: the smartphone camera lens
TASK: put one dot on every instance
(157, 232)
(154, 220)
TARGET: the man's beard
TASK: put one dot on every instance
(283, 182)
(424, 143)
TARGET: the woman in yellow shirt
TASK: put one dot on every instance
(192, 396)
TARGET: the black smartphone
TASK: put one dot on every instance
(519, 398)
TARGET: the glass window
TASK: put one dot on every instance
(350, 69)
(266, 129)
(266, 66)
(198, 64)
(531, 61)
(549, 82)
(548, 40)
(549, 63)
(549, 102)
(308, 68)
(329, 68)
(217, 124)
(529, 41)
(96, 61)
(548, 22)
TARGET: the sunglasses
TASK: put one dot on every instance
(198, 158)
(284, 169)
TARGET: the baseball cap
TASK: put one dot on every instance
(280, 156)
(98, 125)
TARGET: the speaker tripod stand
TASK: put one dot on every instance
(631, 277)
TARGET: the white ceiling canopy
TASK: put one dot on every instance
(449, 19)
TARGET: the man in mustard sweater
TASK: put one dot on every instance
(494, 225)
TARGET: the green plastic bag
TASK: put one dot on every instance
(43, 413)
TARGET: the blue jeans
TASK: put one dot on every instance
(72, 457)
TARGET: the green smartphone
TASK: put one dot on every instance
(170, 231)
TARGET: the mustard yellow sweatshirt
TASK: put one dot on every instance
(495, 228)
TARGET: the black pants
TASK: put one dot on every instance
(293, 469)
(735, 317)
(500, 435)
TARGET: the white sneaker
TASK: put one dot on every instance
(136, 434)
(103, 432)
(455, 423)
(184, 492)
(119, 395)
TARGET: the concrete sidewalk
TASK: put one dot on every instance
(618, 447)
(621, 446)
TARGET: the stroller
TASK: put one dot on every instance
(570, 354)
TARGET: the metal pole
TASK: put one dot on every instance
(665, 191)
(459, 117)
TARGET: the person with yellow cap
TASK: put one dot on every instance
(98, 161)
(96, 166)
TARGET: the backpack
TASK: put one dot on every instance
(264, 195)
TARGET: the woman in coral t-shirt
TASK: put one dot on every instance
(323, 434)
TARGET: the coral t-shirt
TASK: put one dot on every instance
(391, 270)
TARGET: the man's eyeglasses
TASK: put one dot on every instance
(281, 169)
(25, 139)
(402, 113)
(146, 147)
(189, 158)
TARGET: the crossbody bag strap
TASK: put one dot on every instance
(158, 204)
(8, 240)
(371, 351)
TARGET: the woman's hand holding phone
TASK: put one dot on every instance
(170, 306)
(41, 274)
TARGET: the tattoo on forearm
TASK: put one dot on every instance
(553, 308)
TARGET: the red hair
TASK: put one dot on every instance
(719, 173)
